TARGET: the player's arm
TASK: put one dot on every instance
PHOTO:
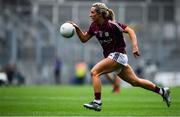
(83, 36)
(133, 39)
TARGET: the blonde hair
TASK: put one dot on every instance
(104, 11)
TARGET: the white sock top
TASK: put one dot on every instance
(161, 91)
(97, 101)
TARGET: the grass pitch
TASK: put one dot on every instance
(69, 100)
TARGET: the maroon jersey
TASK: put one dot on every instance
(110, 36)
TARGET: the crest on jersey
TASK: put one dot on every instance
(100, 33)
(106, 34)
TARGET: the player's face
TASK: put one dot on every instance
(94, 15)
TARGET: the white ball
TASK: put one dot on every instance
(67, 30)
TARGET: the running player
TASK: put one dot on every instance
(110, 35)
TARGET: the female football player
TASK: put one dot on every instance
(110, 35)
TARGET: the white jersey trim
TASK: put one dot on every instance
(117, 25)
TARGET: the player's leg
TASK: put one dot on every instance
(114, 80)
(116, 85)
(109, 78)
(129, 76)
(104, 66)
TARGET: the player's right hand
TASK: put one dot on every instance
(73, 23)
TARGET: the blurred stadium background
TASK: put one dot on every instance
(30, 39)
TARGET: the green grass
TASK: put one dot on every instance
(68, 100)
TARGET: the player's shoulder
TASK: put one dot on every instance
(115, 23)
(118, 25)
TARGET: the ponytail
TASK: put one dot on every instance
(111, 15)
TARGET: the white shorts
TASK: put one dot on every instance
(120, 58)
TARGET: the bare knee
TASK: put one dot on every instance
(94, 74)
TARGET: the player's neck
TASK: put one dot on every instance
(101, 21)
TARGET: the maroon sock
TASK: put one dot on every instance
(97, 96)
(157, 89)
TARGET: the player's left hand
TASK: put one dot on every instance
(136, 52)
